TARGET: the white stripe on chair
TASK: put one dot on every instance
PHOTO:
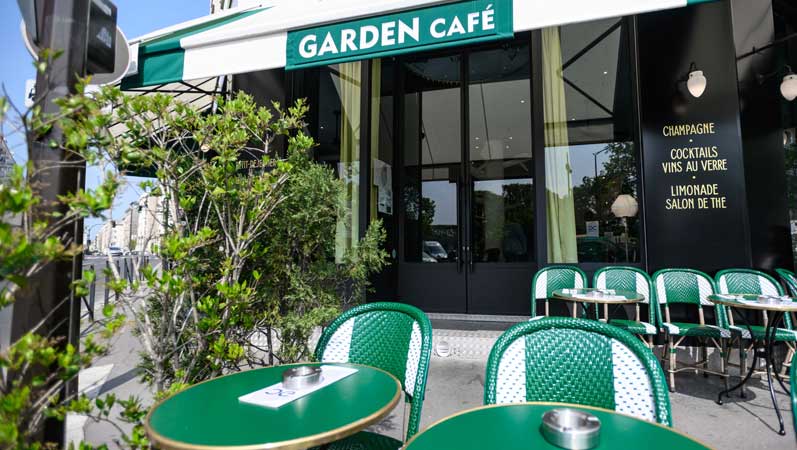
(541, 288)
(578, 281)
(511, 383)
(642, 287)
(600, 283)
(723, 285)
(413, 358)
(767, 287)
(705, 290)
(649, 328)
(633, 393)
(661, 291)
(337, 349)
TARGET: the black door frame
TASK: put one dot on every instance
(465, 265)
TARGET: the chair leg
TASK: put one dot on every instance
(787, 363)
(742, 365)
(725, 353)
(704, 357)
(671, 365)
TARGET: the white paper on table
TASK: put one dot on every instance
(604, 297)
(276, 395)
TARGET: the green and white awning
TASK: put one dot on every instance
(266, 35)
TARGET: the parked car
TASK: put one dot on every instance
(114, 251)
(435, 250)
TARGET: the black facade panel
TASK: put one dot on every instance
(711, 231)
(764, 158)
(265, 86)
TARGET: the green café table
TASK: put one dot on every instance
(516, 426)
(587, 295)
(209, 416)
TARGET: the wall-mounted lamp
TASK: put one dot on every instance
(696, 82)
(788, 87)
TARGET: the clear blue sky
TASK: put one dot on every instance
(136, 17)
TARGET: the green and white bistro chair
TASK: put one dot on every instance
(635, 280)
(789, 279)
(551, 278)
(692, 288)
(586, 362)
(394, 337)
(748, 281)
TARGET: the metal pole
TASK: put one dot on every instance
(55, 172)
(105, 284)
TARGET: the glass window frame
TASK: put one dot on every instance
(538, 135)
(539, 235)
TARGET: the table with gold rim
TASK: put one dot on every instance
(516, 426)
(776, 313)
(208, 415)
(567, 295)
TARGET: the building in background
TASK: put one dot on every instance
(138, 230)
(6, 160)
(149, 223)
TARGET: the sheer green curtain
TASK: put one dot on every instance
(376, 97)
(348, 85)
(561, 217)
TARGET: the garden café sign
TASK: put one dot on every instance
(410, 31)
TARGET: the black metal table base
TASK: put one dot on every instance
(766, 354)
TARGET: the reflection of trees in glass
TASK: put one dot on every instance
(427, 216)
(594, 197)
(512, 232)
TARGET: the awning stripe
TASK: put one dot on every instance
(162, 59)
(245, 41)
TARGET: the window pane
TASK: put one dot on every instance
(590, 156)
(339, 140)
(502, 212)
(432, 159)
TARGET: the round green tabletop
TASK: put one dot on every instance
(748, 301)
(517, 427)
(209, 415)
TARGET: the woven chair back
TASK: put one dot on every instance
(561, 359)
(394, 337)
(686, 286)
(628, 279)
(551, 278)
(749, 281)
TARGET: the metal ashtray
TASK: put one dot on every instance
(301, 377)
(571, 429)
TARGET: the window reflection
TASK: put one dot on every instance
(590, 156)
(499, 113)
(432, 159)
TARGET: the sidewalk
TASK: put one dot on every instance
(456, 382)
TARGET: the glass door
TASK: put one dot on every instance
(500, 231)
(432, 190)
(466, 205)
